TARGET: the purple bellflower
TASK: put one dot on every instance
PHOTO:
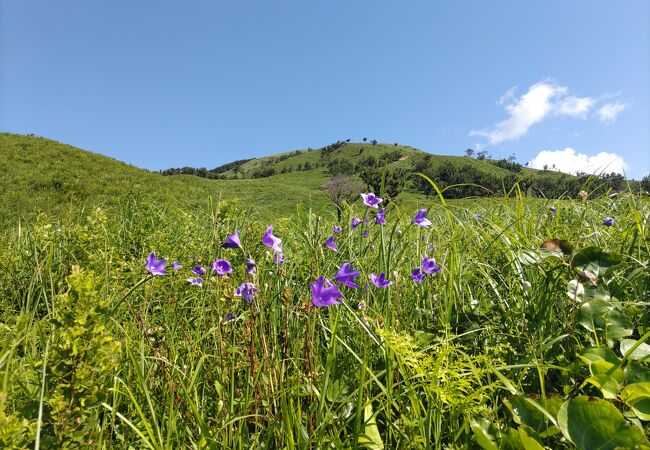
(365, 233)
(380, 217)
(156, 266)
(371, 200)
(271, 241)
(337, 229)
(278, 258)
(553, 209)
(429, 265)
(346, 275)
(232, 241)
(198, 270)
(478, 216)
(421, 219)
(222, 267)
(355, 222)
(195, 281)
(246, 290)
(322, 295)
(417, 275)
(608, 221)
(380, 281)
(329, 243)
(176, 265)
(251, 268)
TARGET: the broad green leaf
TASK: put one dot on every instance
(524, 412)
(536, 256)
(592, 354)
(604, 316)
(575, 290)
(607, 377)
(485, 434)
(594, 424)
(637, 397)
(528, 442)
(641, 353)
(595, 261)
(370, 438)
(597, 292)
(636, 373)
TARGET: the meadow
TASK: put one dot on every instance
(512, 323)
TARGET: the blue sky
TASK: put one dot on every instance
(201, 83)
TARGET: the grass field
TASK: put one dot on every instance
(39, 175)
(506, 346)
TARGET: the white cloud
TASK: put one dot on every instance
(609, 112)
(575, 106)
(569, 161)
(541, 100)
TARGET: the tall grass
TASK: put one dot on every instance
(96, 352)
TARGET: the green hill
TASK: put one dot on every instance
(42, 175)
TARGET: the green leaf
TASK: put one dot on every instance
(636, 373)
(593, 424)
(637, 397)
(594, 261)
(605, 316)
(527, 411)
(529, 257)
(528, 442)
(641, 353)
(485, 434)
(593, 354)
(607, 377)
(370, 438)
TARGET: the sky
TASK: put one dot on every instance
(162, 84)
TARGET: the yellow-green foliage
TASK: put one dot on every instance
(454, 382)
(82, 357)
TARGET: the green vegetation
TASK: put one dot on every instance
(534, 334)
(508, 346)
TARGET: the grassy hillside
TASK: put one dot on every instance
(356, 154)
(42, 175)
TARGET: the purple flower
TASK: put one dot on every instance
(380, 218)
(337, 229)
(553, 209)
(417, 275)
(371, 200)
(176, 266)
(195, 281)
(230, 317)
(278, 258)
(232, 240)
(478, 216)
(271, 241)
(429, 265)
(608, 221)
(380, 281)
(246, 290)
(346, 274)
(329, 243)
(222, 267)
(355, 222)
(365, 233)
(251, 268)
(156, 266)
(198, 270)
(322, 295)
(421, 219)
